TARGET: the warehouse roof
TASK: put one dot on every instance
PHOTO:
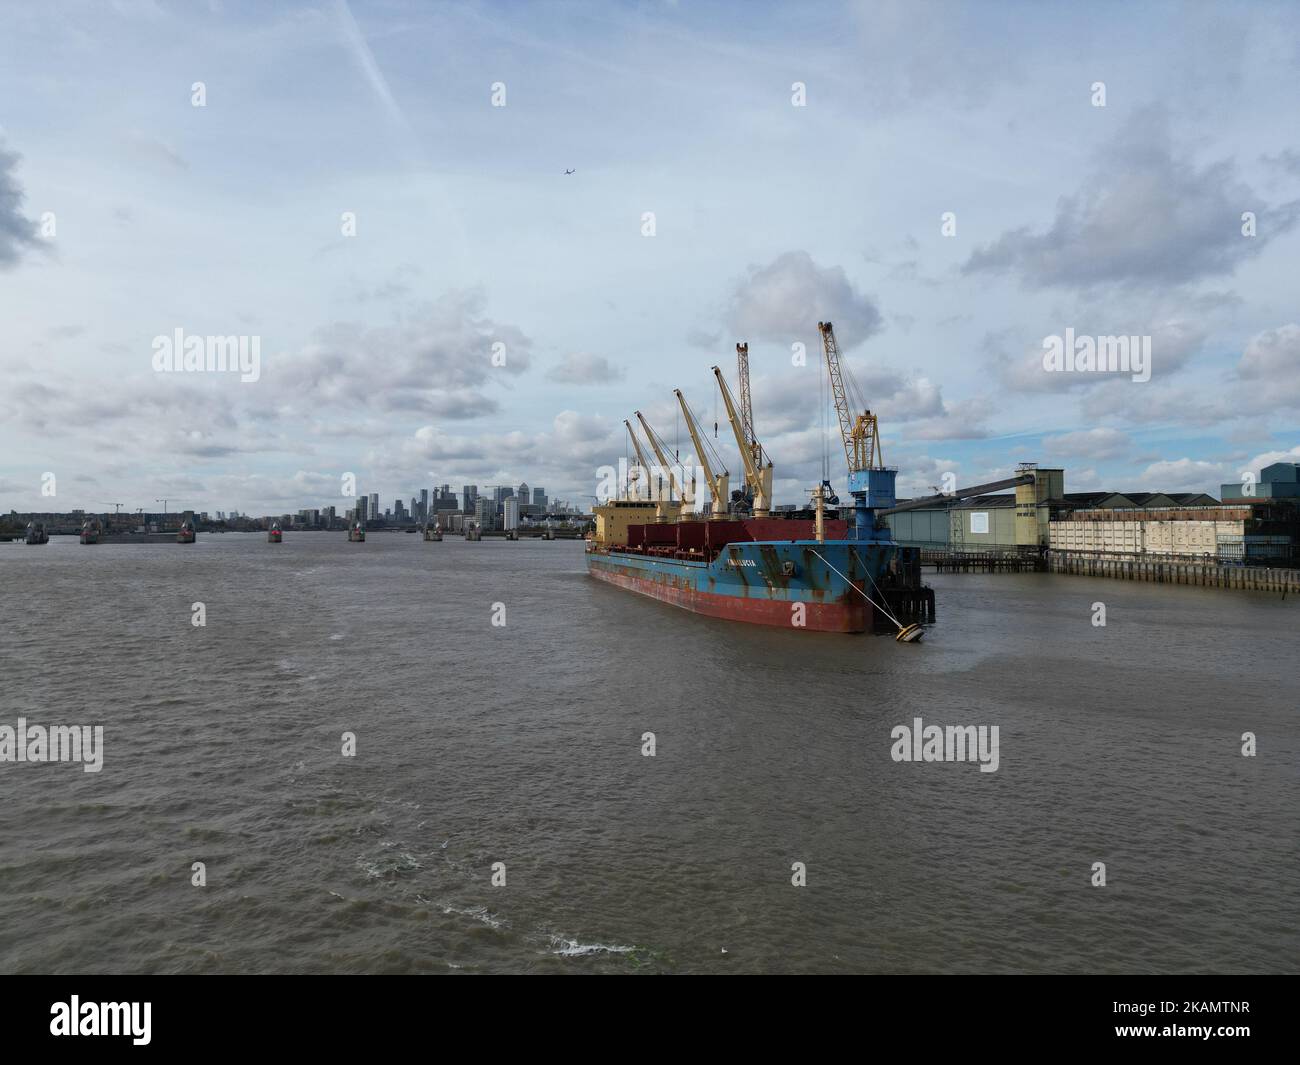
(1147, 500)
(992, 502)
(1132, 500)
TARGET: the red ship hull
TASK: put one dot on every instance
(845, 616)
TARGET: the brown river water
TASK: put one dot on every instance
(521, 744)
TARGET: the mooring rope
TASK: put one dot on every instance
(864, 595)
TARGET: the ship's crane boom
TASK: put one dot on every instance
(757, 474)
(746, 407)
(871, 482)
(643, 467)
(860, 434)
(664, 464)
(717, 483)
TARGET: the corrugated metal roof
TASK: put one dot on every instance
(991, 502)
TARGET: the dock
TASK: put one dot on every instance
(983, 561)
(1206, 574)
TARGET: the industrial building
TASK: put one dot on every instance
(1278, 481)
(1041, 517)
(1002, 522)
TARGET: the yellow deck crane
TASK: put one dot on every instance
(871, 482)
(718, 483)
(643, 467)
(758, 470)
(861, 433)
(673, 472)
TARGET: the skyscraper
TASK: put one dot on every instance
(374, 505)
(362, 509)
(539, 498)
(511, 514)
(423, 512)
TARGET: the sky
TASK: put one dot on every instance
(376, 193)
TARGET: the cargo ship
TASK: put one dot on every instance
(741, 562)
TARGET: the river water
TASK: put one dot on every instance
(522, 744)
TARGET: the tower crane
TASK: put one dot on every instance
(871, 483)
(758, 472)
(674, 480)
(717, 482)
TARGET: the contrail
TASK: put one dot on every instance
(366, 58)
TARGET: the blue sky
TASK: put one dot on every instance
(376, 348)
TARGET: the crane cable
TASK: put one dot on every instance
(705, 437)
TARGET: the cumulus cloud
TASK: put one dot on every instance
(784, 300)
(575, 445)
(1093, 444)
(438, 363)
(1267, 458)
(580, 368)
(1174, 341)
(1268, 371)
(1147, 215)
(1155, 403)
(17, 232)
(962, 420)
(435, 362)
(924, 475)
(1287, 160)
(1184, 475)
(1272, 354)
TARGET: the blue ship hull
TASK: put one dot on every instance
(789, 583)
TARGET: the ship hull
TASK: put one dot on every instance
(811, 585)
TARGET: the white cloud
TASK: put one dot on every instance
(1184, 475)
(1147, 215)
(1273, 354)
(581, 368)
(1090, 444)
(784, 300)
